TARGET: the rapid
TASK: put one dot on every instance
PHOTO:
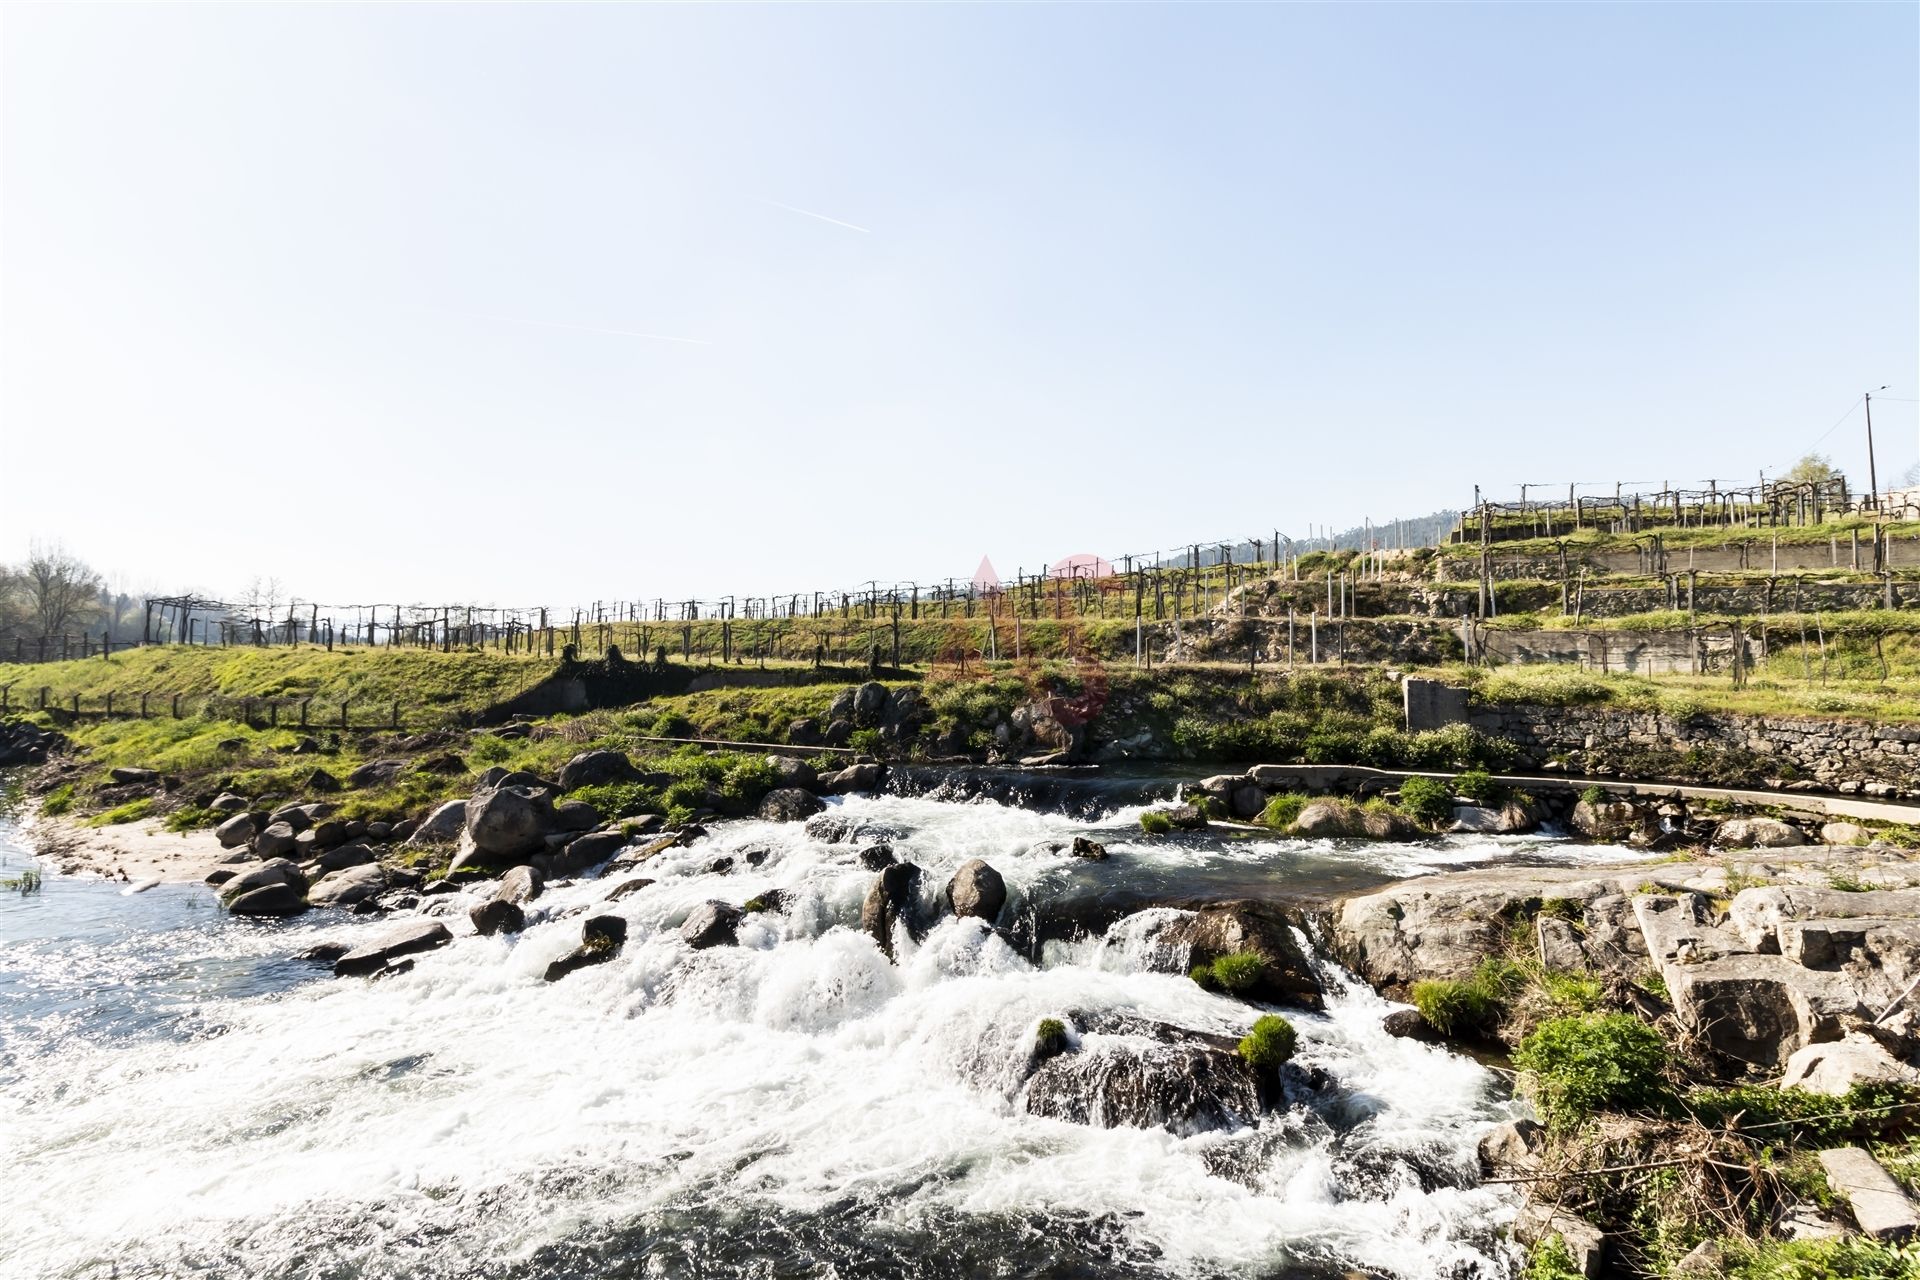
(181, 1094)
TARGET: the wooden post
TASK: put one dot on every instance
(176, 706)
(343, 711)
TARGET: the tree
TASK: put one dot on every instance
(60, 591)
(1815, 468)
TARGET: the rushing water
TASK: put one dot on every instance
(180, 1095)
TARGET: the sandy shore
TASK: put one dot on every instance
(131, 851)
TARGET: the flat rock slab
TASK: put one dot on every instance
(1879, 1204)
(372, 956)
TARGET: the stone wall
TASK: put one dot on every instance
(1848, 756)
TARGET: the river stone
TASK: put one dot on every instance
(596, 768)
(1845, 833)
(1090, 850)
(1757, 833)
(1616, 822)
(857, 777)
(274, 871)
(228, 802)
(1837, 1066)
(277, 841)
(375, 773)
(269, 900)
(589, 850)
(711, 924)
(626, 887)
(869, 704)
(1410, 1024)
(789, 804)
(327, 834)
(294, 815)
(977, 890)
(349, 886)
(504, 912)
(576, 815)
(1264, 928)
(1513, 1144)
(442, 826)
(347, 855)
(877, 857)
(789, 771)
(890, 901)
(511, 821)
(238, 829)
(408, 939)
(1110, 1082)
(601, 938)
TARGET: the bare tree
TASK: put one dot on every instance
(60, 590)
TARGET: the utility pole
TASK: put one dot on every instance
(1873, 481)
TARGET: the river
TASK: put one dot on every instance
(180, 1094)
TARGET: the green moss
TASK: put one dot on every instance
(1270, 1043)
(1575, 1066)
(1155, 823)
(1240, 972)
(132, 811)
(193, 818)
(57, 801)
(1050, 1037)
(1282, 810)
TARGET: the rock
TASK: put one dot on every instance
(576, 815)
(1513, 1145)
(1583, 1241)
(510, 821)
(789, 804)
(409, 939)
(305, 746)
(804, 733)
(1879, 1205)
(1757, 833)
(978, 891)
(294, 815)
(711, 924)
(626, 887)
(1186, 817)
(1264, 928)
(347, 855)
(877, 857)
(841, 708)
(239, 829)
(277, 841)
(1616, 822)
(589, 850)
(1703, 1262)
(830, 828)
(1476, 819)
(601, 938)
(869, 704)
(1183, 1087)
(442, 826)
(838, 734)
(327, 834)
(1408, 1024)
(858, 777)
(1845, 833)
(504, 912)
(597, 768)
(349, 886)
(1091, 850)
(220, 875)
(269, 900)
(404, 829)
(1836, 1066)
(1328, 820)
(889, 902)
(376, 773)
(228, 802)
(320, 782)
(275, 871)
(792, 772)
(1558, 941)
(125, 773)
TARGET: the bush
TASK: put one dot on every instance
(1282, 810)
(1427, 801)
(1578, 1065)
(617, 800)
(1550, 1260)
(1270, 1043)
(1596, 795)
(1455, 1008)
(192, 818)
(1240, 972)
(1478, 786)
(1155, 823)
(1050, 1037)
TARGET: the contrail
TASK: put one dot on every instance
(808, 213)
(580, 328)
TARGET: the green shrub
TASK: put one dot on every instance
(1282, 810)
(1155, 823)
(1796, 1115)
(193, 817)
(867, 742)
(488, 749)
(1202, 975)
(1050, 1037)
(617, 800)
(57, 801)
(1455, 1008)
(1270, 1043)
(1847, 882)
(1427, 801)
(1578, 1065)
(1848, 1258)
(1550, 1260)
(1478, 786)
(671, 724)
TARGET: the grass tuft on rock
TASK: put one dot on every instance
(1428, 801)
(1155, 823)
(1270, 1043)
(1575, 1066)
(1050, 1038)
(1282, 810)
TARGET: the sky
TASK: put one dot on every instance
(545, 305)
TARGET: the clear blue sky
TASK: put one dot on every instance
(531, 305)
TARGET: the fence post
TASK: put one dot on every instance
(303, 711)
(343, 711)
(396, 715)
(109, 706)
(143, 706)
(76, 704)
(43, 697)
(246, 711)
(176, 706)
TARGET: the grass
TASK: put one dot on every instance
(1234, 974)
(1270, 1044)
(1427, 801)
(131, 811)
(1155, 823)
(1577, 1065)
(1283, 810)
(1847, 882)
(1050, 1037)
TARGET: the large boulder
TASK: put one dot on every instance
(1757, 833)
(1264, 928)
(405, 940)
(269, 900)
(505, 912)
(892, 900)
(576, 815)
(1146, 1077)
(789, 804)
(596, 768)
(977, 890)
(376, 773)
(711, 924)
(273, 873)
(442, 826)
(1837, 1066)
(239, 829)
(869, 704)
(1616, 821)
(277, 841)
(790, 771)
(346, 855)
(857, 777)
(348, 887)
(511, 821)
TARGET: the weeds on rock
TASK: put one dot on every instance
(1270, 1043)
(1575, 1066)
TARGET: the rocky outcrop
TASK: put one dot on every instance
(505, 911)
(1144, 1075)
(406, 940)
(1265, 929)
(711, 924)
(442, 826)
(789, 804)
(601, 938)
(977, 890)
(510, 821)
